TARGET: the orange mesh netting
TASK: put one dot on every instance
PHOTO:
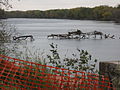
(18, 74)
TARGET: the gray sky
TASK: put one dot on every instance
(59, 4)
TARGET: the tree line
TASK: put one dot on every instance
(2, 14)
(104, 12)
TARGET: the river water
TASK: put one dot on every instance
(101, 49)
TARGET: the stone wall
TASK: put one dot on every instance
(111, 70)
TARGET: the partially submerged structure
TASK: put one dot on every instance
(78, 34)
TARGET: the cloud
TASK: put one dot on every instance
(54, 4)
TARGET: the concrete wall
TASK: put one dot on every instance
(111, 70)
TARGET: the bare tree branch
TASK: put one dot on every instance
(5, 3)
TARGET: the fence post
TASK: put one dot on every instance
(111, 69)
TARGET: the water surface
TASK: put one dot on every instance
(103, 50)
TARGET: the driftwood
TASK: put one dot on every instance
(23, 37)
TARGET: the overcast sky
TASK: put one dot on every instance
(59, 4)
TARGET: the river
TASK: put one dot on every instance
(101, 49)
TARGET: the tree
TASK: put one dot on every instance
(118, 6)
(2, 14)
(82, 61)
(6, 4)
(116, 16)
(102, 12)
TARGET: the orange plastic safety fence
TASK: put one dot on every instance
(25, 75)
